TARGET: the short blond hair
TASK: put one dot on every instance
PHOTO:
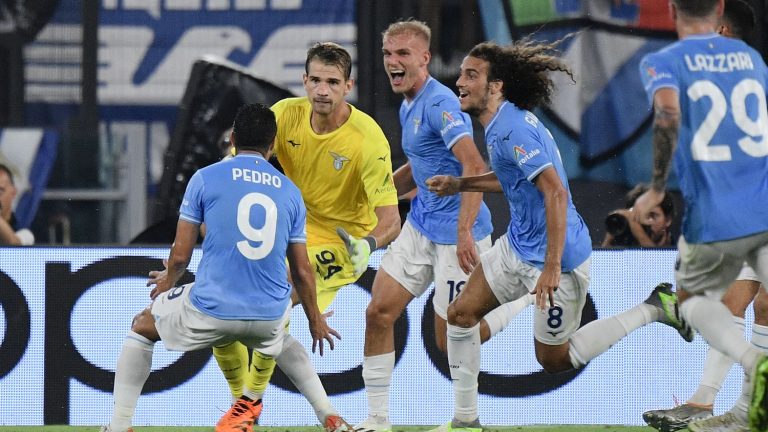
(412, 26)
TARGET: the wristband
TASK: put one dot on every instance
(371, 242)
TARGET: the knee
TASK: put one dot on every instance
(554, 359)
(459, 317)
(554, 365)
(144, 324)
(379, 316)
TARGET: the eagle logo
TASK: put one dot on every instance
(338, 161)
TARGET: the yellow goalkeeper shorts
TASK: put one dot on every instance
(333, 270)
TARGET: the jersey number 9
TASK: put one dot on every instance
(264, 235)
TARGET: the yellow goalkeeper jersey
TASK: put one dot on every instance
(343, 175)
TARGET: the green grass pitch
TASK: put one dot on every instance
(541, 428)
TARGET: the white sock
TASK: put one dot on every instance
(133, 367)
(464, 364)
(250, 394)
(295, 364)
(714, 322)
(377, 376)
(759, 341)
(716, 368)
(499, 318)
(596, 337)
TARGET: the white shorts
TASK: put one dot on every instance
(182, 326)
(747, 274)
(510, 279)
(414, 262)
(709, 268)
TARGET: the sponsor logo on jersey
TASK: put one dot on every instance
(652, 75)
(519, 152)
(338, 160)
(523, 156)
(386, 186)
(449, 122)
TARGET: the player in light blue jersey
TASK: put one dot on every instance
(547, 247)
(442, 237)
(709, 99)
(255, 219)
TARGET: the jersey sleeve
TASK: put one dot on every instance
(376, 171)
(445, 116)
(279, 108)
(299, 223)
(656, 73)
(528, 151)
(192, 205)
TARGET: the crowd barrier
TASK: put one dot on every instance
(65, 312)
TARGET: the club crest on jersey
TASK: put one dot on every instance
(416, 124)
(338, 161)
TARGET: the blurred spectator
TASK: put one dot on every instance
(9, 235)
(624, 231)
(224, 144)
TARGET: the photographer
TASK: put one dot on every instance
(624, 231)
(8, 233)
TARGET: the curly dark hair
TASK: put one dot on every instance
(255, 127)
(523, 68)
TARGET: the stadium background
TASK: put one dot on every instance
(107, 107)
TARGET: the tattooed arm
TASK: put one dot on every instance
(666, 126)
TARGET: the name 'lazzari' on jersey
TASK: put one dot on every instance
(432, 123)
(722, 153)
(251, 212)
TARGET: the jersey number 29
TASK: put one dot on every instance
(755, 141)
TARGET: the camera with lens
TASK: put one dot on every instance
(618, 226)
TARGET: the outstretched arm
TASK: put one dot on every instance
(304, 284)
(666, 128)
(444, 185)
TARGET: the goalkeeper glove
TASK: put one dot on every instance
(359, 249)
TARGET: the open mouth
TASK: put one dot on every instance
(397, 76)
(462, 94)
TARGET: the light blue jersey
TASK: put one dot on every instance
(722, 153)
(251, 213)
(432, 123)
(520, 148)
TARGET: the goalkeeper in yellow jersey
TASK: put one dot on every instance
(340, 160)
